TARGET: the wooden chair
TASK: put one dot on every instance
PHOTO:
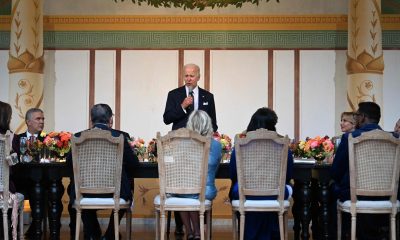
(374, 163)
(97, 162)
(261, 159)
(13, 201)
(182, 167)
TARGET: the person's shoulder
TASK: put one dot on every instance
(20, 135)
(178, 89)
(204, 92)
(78, 134)
(119, 132)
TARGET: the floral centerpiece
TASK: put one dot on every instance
(58, 143)
(138, 146)
(54, 147)
(318, 148)
(226, 145)
(152, 150)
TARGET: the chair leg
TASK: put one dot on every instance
(339, 224)
(21, 223)
(393, 226)
(285, 225)
(234, 225)
(162, 223)
(242, 219)
(5, 223)
(116, 224)
(202, 225)
(78, 223)
(128, 224)
(281, 232)
(353, 226)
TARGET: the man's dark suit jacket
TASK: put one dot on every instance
(174, 113)
(129, 163)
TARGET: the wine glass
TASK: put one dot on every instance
(23, 147)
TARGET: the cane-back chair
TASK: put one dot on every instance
(261, 162)
(14, 201)
(182, 167)
(374, 163)
(97, 163)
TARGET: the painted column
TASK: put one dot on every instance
(365, 63)
(25, 63)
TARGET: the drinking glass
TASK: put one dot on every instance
(23, 147)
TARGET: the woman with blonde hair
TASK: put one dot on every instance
(347, 122)
(200, 122)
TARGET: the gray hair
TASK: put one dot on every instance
(200, 122)
(29, 113)
(101, 113)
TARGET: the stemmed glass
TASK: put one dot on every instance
(23, 148)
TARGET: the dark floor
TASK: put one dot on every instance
(145, 230)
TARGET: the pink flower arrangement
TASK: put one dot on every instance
(226, 144)
(58, 142)
(138, 146)
(318, 148)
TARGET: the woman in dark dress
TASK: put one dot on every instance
(260, 225)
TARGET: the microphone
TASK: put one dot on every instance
(190, 88)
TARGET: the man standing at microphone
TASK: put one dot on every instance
(183, 100)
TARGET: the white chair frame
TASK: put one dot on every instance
(97, 163)
(5, 148)
(182, 167)
(261, 162)
(374, 163)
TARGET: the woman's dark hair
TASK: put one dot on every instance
(263, 118)
(5, 117)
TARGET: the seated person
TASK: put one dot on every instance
(260, 225)
(34, 119)
(367, 118)
(102, 117)
(347, 122)
(200, 122)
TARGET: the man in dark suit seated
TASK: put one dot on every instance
(367, 118)
(34, 119)
(181, 102)
(102, 117)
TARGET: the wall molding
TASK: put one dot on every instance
(199, 22)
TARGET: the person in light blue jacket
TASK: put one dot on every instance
(199, 121)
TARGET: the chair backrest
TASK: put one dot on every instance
(374, 161)
(4, 167)
(97, 163)
(261, 162)
(182, 162)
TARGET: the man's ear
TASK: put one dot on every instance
(111, 122)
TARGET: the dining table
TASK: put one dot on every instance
(311, 199)
(310, 193)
